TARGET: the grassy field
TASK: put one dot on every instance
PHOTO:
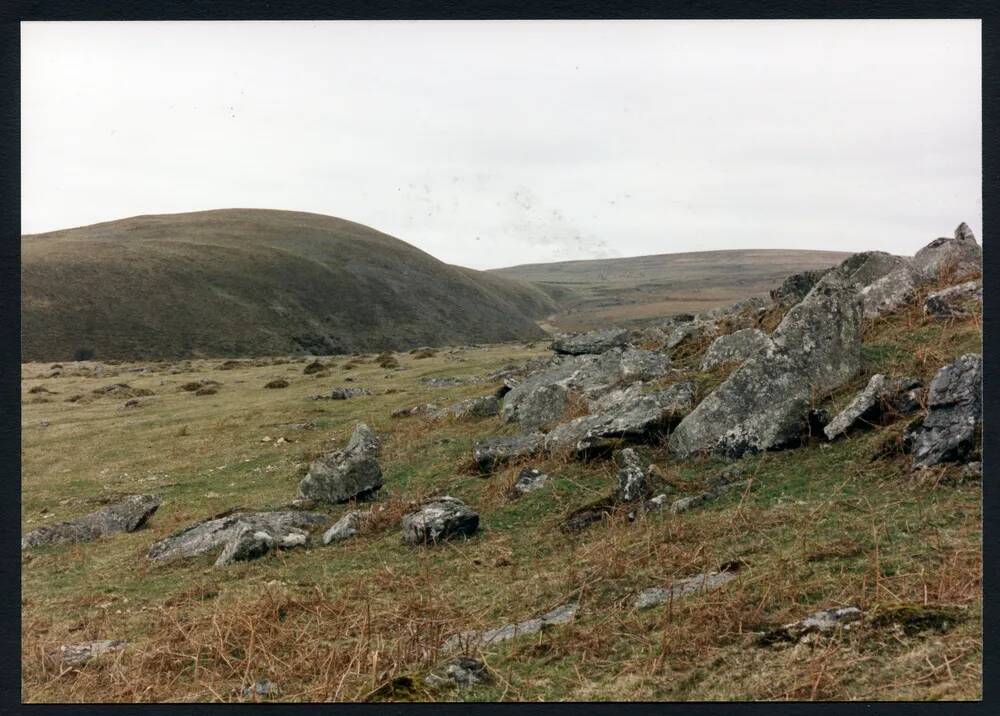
(592, 294)
(822, 526)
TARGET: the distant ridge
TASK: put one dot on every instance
(246, 282)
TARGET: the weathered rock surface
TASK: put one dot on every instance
(864, 269)
(823, 621)
(696, 329)
(684, 504)
(947, 303)
(126, 515)
(215, 533)
(764, 404)
(529, 480)
(345, 474)
(891, 292)
(954, 414)
(880, 395)
(250, 543)
(591, 342)
(491, 452)
(796, 287)
(440, 519)
(462, 671)
(638, 419)
(633, 484)
(79, 654)
(482, 407)
(735, 347)
(698, 584)
(424, 409)
(472, 639)
(346, 527)
(960, 255)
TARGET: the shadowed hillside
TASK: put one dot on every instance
(596, 293)
(241, 282)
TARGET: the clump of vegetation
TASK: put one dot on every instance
(314, 367)
(421, 353)
(387, 361)
(277, 383)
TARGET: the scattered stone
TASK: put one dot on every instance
(591, 342)
(734, 348)
(491, 452)
(462, 671)
(633, 485)
(686, 503)
(482, 407)
(698, 584)
(445, 382)
(126, 515)
(440, 519)
(342, 475)
(249, 543)
(765, 403)
(528, 480)
(216, 532)
(80, 654)
(881, 395)
(470, 639)
(347, 526)
(261, 688)
(276, 383)
(122, 390)
(822, 622)
(342, 393)
(948, 303)
(425, 409)
(973, 471)
(954, 414)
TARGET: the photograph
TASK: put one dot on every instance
(565, 360)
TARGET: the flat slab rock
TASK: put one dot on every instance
(734, 347)
(491, 452)
(345, 474)
(954, 414)
(217, 532)
(127, 515)
(698, 584)
(440, 519)
(250, 543)
(948, 303)
(591, 342)
(473, 639)
(347, 526)
(868, 405)
(79, 654)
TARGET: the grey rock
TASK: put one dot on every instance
(891, 292)
(796, 287)
(633, 484)
(535, 403)
(491, 452)
(642, 365)
(820, 622)
(345, 474)
(470, 639)
(79, 654)
(217, 532)
(345, 393)
(261, 688)
(747, 307)
(249, 543)
(482, 407)
(689, 331)
(973, 471)
(735, 347)
(698, 584)
(870, 404)
(462, 671)
(635, 420)
(529, 480)
(947, 303)
(127, 515)
(764, 404)
(440, 519)
(446, 381)
(954, 414)
(686, 503)
(864, 269)
(962, 255)
(591, 342)
(346, 527)
(424, 409)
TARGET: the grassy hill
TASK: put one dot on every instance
(242, 282)
(595, 293)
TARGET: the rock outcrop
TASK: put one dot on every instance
(796, 287)
(954, 414)
(345, 474)
(891, 292)
(440, 519)
(882, 394)
(251, 543)
(591, 342)
(491, 452)
(958, 256)
(950, 302)
(734, 347)
(126, 515)
(765, 402)
(482, 407)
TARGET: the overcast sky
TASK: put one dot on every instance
(489, 144)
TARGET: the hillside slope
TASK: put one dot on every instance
(592, 294)
(247, 282)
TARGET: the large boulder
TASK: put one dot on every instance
(958, 256)
(491, 452)
(734, 347)
(765, 402)
(440, 519)
(217, 532)
(869, 406)
(591, 342)
(345, 474)
(126, 515)
(891, 292)
(635, 420)
(954, 414)
(866, 268)
(951, 302)
(796, 287)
